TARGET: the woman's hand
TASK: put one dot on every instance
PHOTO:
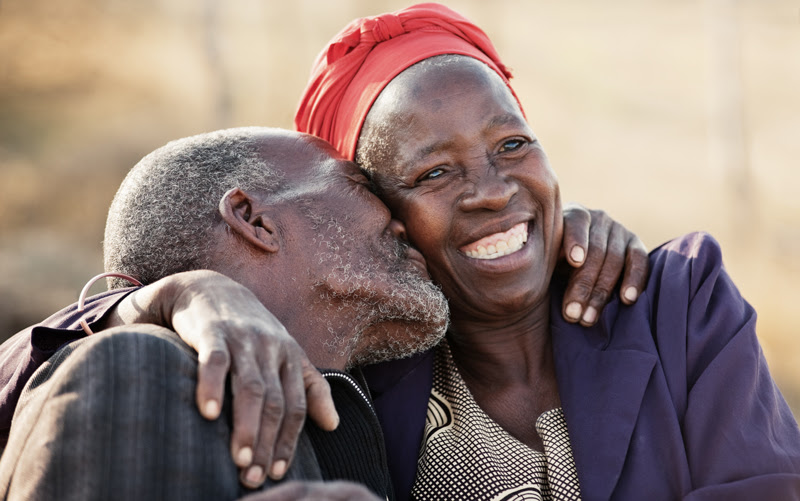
(315, 491)
(272, 381)
(613, 251)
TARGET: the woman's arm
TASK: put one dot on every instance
(740, 437)
(231, 331)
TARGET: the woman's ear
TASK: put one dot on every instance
(245, 217)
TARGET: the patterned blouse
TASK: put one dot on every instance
(466, 455)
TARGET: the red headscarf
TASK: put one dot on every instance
(355, 66)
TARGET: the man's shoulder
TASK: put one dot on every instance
(24, 352)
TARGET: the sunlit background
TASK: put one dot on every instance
(673, 116)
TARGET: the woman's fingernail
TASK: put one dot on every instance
(245, 456)
(631, 294)
(278, 469)
(590, 316)
(211, 409)
(254, 474)
(573, 311)
(577, 254)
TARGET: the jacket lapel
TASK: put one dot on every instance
(601, 391)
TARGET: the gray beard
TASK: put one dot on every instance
(395, 311)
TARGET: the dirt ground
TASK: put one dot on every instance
(671, 116)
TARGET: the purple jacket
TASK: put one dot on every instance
(667, 399)
(25, 351)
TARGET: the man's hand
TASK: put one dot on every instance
(611, 247)
(272, 381)
(315, 491)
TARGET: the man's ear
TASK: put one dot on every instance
(244, 215)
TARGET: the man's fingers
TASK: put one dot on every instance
(576, 297)
(576, 307)
(637, 266)
(608, 276)
(577, 221)
(213, 364)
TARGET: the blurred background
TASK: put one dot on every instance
(673, 116)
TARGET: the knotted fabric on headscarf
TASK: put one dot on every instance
(355, 66)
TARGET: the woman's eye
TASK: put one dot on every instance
(432, 174)
(512, 145)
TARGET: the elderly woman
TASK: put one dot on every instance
(667, 399)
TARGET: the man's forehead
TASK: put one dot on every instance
(302, 159)
(291, 153)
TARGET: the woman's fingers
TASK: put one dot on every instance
(318, 397)
(283, 442)
(213, 364)
(270, 374)
(305, 391)
(249, 391)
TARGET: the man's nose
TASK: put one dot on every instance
(492, 191)
(398, 229)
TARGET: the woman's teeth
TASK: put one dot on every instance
(499, 244)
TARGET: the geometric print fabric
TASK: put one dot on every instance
(467, 455)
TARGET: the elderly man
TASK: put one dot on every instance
(280, 213)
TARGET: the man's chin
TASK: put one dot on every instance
(414, 320)
(393, 341)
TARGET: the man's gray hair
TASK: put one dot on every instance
(163, 215)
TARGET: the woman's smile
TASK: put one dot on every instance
(499, 244)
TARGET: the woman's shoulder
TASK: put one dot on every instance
(687, 265)
(689, 298)
(698, 250)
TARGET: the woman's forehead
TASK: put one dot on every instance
(437, 73)
(414, 113)
(423, 88)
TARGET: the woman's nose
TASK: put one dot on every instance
(398, 229)
(491, 191)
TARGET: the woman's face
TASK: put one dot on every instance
(454, 158)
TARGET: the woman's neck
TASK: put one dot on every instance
(509, 369)
(505, 350)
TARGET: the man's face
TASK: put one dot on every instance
(343, 235)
